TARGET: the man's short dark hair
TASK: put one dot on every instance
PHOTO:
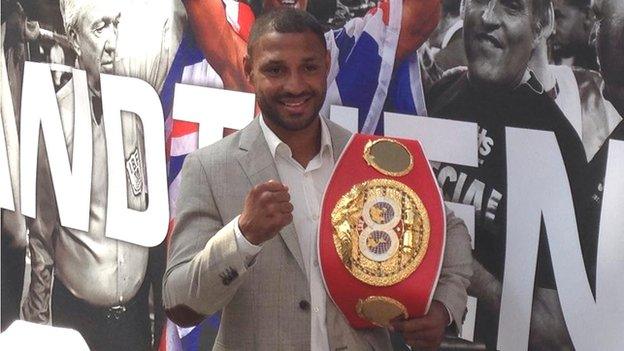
(285, 20)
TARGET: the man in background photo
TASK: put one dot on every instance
(499, 90)
(447, 40)
(572, 42)
(84, 280)
(610, 42)
(578, 93)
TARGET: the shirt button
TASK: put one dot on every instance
(316, 263)
(304, 305)
(315, 216)
(316, 309)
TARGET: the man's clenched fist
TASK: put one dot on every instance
(266, 211)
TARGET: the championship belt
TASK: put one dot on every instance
(382, 231)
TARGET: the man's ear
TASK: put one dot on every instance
(73, 39)
(247, 67)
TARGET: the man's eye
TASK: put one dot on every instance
(514, 5)
(311, 68)
(273, 71)
(99, 28)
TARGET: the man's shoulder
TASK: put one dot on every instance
(217, 153)
(447, 89)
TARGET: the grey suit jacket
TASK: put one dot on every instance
(265, 305)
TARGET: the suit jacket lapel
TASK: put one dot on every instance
(259, 166)
(339, 138)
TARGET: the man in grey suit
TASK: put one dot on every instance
(245, 236)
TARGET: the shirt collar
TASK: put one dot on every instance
(531, 81)
(277, 145)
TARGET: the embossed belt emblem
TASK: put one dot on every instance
(381, 231)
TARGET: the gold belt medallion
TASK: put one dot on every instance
(381, 231)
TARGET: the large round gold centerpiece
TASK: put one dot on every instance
(388, 157)
(381, 231)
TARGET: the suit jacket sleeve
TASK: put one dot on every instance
(204, 267)
(456, 269)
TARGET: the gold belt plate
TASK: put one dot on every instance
(381, 231)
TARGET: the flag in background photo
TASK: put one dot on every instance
(363, 72)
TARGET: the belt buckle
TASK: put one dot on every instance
(115, 312)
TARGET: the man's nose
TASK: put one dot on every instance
(295, 83)
(110, 45)
(490, 15)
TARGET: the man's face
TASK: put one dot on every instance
(611, 49)
(275, 4)
(499, 39)
(95, 38)
(289, 74)
(572, 31)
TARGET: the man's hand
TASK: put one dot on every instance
(426, 332)
(267, 210)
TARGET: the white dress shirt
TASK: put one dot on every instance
(306, 187)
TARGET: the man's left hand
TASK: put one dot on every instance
(426, 332)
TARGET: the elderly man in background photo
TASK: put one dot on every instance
(84, 280)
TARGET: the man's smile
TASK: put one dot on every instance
(489, 39)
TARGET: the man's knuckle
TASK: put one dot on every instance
(265, 198)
